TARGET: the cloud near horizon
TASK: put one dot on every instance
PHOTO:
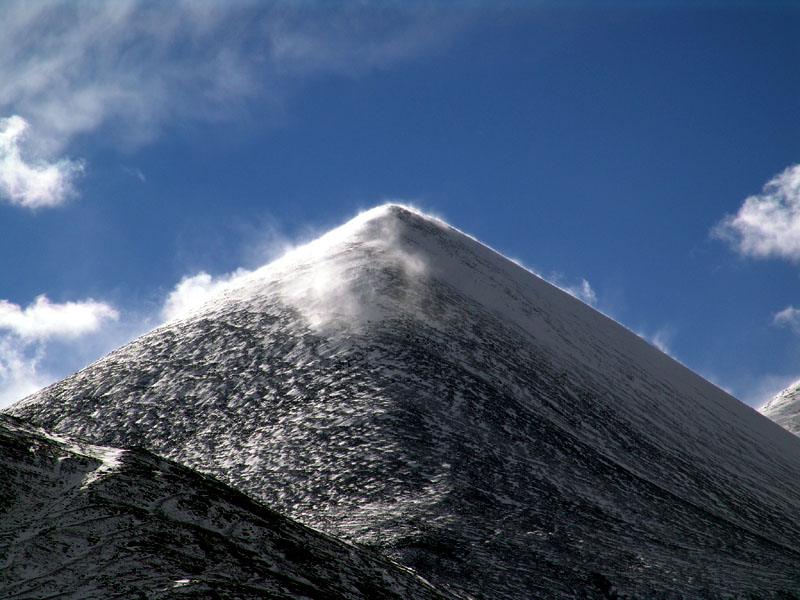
(25, 335)
(767, 224)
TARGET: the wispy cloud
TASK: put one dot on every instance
(767, 224)
(19, 370)
(136, 66)
(31, 183)
(44, 319)
(135, 172)
(662, 339)
(323, 290)
(26, 335)
(788, 317)
(581, 290)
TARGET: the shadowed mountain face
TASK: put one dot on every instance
(398, 384)
(784, 408)
(83, 521)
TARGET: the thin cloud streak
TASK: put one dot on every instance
(788, 317)
(582, 291)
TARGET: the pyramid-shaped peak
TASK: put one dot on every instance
(392, 210)
(395, 212)
(402, 385)
(380, 226)
(383, 225)
(375, 265)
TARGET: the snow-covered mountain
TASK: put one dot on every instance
(83, 521)
(398, 384)
(784, 408)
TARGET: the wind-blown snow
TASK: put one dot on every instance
(399, 384)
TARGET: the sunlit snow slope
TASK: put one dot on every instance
(83, 521)
(399, 384)
(784, 408)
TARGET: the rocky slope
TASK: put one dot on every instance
(84, 521)
(398, 384)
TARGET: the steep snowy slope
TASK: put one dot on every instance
(399, 384)
(784, 408)
(82, 521)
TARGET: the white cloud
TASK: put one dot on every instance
(19, 373)
(32, 184)
(27, 335)
(767, 224)
(136, 66)
(788, 317)
(193, 291)
(44, 319)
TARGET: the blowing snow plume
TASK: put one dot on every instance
(322, 281)
(461, 415)
(324, 284)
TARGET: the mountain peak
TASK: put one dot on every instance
(399, 384)
(344, 277)
(383, 223)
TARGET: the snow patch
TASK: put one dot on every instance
(111, 460)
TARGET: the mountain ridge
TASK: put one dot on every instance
(85, 521)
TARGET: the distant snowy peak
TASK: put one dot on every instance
(784, 408)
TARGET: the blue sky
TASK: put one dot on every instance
(643, 155)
